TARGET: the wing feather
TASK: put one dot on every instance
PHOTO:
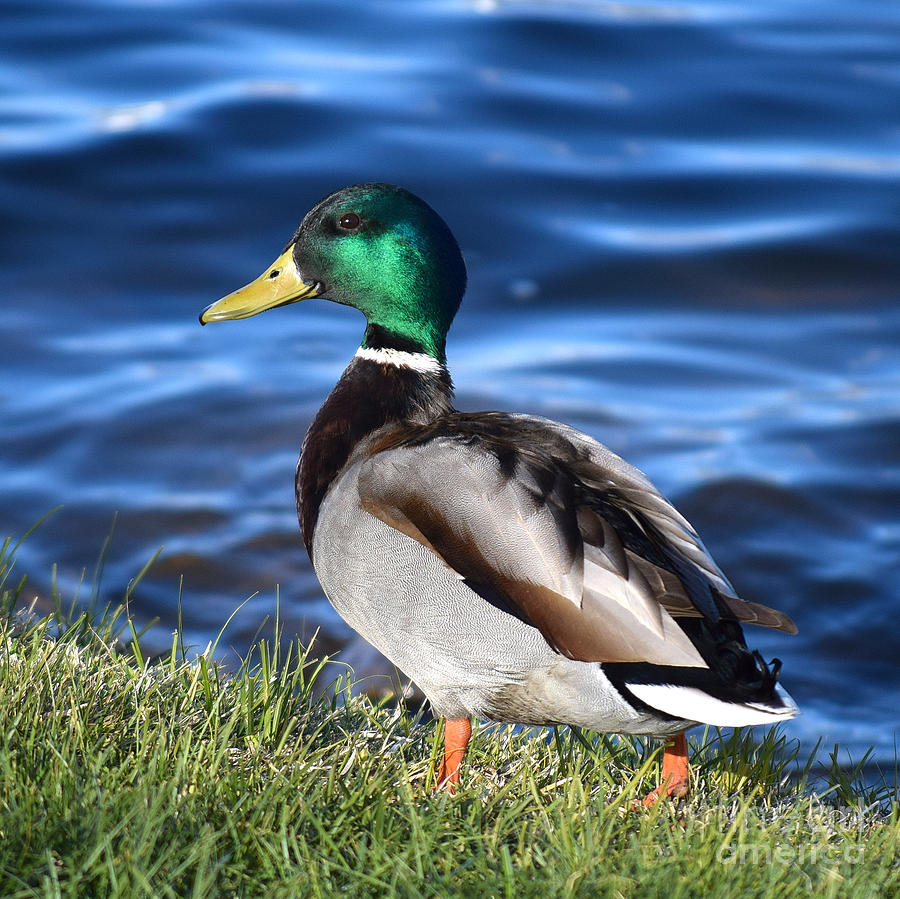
(490, 529)
(550, 525)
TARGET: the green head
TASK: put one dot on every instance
(373, 246)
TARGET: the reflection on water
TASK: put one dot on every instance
(680, 226)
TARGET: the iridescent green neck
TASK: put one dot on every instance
(386, 252)
(413, 298)
(398, 336)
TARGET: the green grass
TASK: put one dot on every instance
(122, 777)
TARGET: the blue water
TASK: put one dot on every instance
(681, 225)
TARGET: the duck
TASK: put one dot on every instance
(513, 567)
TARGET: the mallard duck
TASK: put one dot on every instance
(516, 569)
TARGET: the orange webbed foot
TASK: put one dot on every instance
(675, 778)
(457, 732)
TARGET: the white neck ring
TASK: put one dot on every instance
(420, 362)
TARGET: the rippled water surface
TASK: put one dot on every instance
(681, 226)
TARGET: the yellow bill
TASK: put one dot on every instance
(278, 285)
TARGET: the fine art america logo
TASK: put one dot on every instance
(785, 854)
(822, 840)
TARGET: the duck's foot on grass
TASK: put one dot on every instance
(675, 778)
(674, 781)
(457, 732)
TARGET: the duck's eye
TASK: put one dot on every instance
(350, 222)
(274, 273)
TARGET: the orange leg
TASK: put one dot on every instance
(675, 780)
(457, 732)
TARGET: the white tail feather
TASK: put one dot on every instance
(694, 704)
